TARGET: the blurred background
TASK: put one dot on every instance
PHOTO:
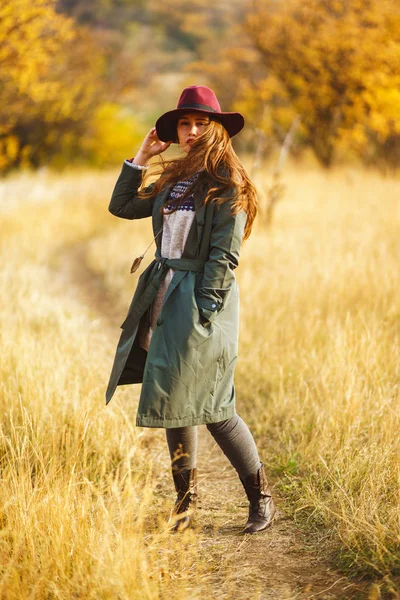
(85, 494)
(81, 82)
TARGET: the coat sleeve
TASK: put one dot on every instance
(218, 277)
(124, 202)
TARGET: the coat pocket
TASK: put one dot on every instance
(210, 357)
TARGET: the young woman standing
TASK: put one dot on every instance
(180, 337)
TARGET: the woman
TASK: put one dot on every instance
(180, 336)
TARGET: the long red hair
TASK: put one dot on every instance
(213, 156)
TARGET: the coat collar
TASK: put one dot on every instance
(157, 216)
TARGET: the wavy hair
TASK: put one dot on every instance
(213, 157)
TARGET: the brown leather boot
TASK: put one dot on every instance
(185, 481)
(262, 508)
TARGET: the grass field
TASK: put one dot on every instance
(317, 381)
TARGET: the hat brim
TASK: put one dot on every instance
(166, 124)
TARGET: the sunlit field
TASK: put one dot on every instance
(85, 495)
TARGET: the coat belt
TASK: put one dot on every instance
(181, 264)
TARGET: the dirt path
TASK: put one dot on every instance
(276, 564)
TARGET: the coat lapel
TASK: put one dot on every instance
(157, 216)
(200, 210)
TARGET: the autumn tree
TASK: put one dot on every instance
(23, 84)
(60, 89)
(48, 77)
(335, 64)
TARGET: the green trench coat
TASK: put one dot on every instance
(187, 374)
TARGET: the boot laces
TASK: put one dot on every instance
(258, 507)
(184, 500)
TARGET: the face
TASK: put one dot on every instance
(190, 126)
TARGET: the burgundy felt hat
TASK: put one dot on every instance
(199, 98)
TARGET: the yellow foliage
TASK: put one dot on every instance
(49, 80)
(9, 147)
(114, 135)
(336, 62)
(30, 36)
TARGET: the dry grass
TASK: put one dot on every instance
(78, 506)
(318, 381)
(321, 385)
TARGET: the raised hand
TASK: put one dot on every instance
(150, 147)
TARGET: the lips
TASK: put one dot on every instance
(190, 141)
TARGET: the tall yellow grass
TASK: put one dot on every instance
(321, 383)
(80, 513)
(318, 381)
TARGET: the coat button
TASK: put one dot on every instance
(160, 321)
